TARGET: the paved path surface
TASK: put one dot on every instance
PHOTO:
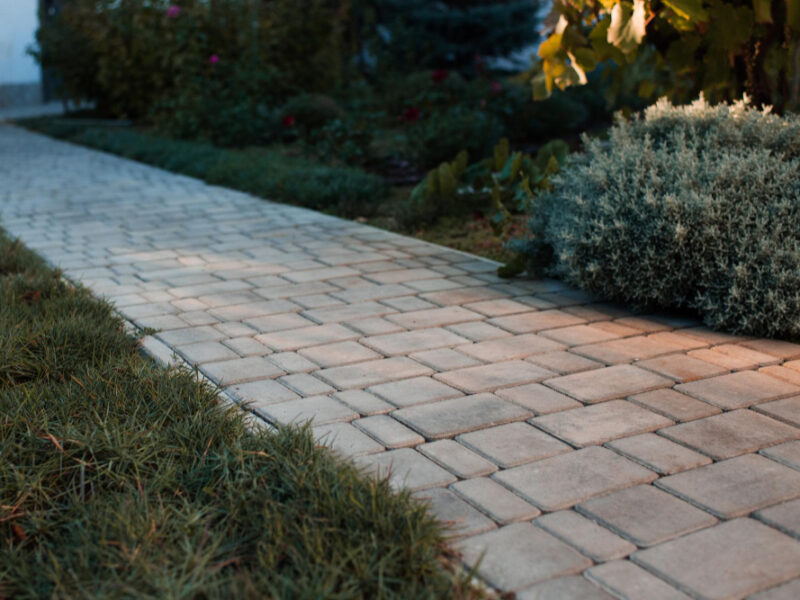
(589, 452)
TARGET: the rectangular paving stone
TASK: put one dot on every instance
(788, 454)
(785, 517)
(406, 469)
(292, 362)
(338, 353)
(403, 275)
(434, 317)
(777, 348)
(520, 555)
(646, 515)
(462, 296)
(478, 331)
(731, 434)
(190, 335)
(494, 500)
(372, 372)
(682, 368)
(417, 390)
(389, 432)
(239, 312)
(726, 551)
(363, 402)
(319, 410)
(498, 307)
(510, 348)
(513, 444)
(406, 342)
(319, 274)
(444, 359)
(734, 357)
(459, 518)
(592, 425)
(563, 481)
(457, 459)
(203, 352)
(373, 326)
(674, 405)
(626, 350)
(279, 322)
(538, 398)
(627, 580)
(371, 292)
(786, 591)
(588, 537)
(258, 394)
(579, 335)
(487, 378)
(788, 375)
(447, 418)
(735, 487)
(347, 312)
(346, 439)
(240, 370)
(305, 384)
(608, 383)
(315, 335)
(564, 363)
(572, 587)
(738, 390)
(658, 453)
(535, 321)
(247, 346)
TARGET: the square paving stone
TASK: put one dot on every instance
(457, 459)
(501, 504)
(444, 359)
(591, 539)
(659, 454)
(532, 322)
(645, 515)
(592, 425)
(307, 336)
(513, 444)
(520, 555)
(487, 378)
(510, 348)
(788, 454)
(339, 353)
(564, 362)
(447, 418)
(738, 390)
(389, 432)
(735, 487)
(247, 346)
(406, 342)
(731, 434)
(240, 370)
(572, 587)
(305, 384)
(786, 410)
(459, 518)
(629, 581)
(319, 410)
(682, 368)
(538, 398)
(674, 405)
(720, 562)
(292, 362)
(565, 480)
(609, 383)
(785, 517)
(363, 402)
(372, 372)
(406, 469)
(346, 439)
(417, 390)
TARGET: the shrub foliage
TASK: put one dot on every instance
(695, 206)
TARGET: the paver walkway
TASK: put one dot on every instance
(589, 452)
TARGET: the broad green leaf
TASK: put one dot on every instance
(627, 27)
(501, 154)
(763, 11)
(793, 14)
(689, 9)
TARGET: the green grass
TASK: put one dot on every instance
(121, 479)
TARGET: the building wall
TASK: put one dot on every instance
(20, 76)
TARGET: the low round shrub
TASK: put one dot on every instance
(694, 206)
(310, 111)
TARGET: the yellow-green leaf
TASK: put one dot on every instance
(550, 46)
(793, 14)
(689, 9)
(763, 11)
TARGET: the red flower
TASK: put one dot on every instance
(411, 114)
(288, 121)
(439, 75)
(213, 59)
(497, 87)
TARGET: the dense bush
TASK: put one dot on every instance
(695, 206)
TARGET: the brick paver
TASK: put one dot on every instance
(663, 460)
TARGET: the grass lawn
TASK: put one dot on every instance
(119, 478)
(284, 174)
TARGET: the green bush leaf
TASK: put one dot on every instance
(689, 9)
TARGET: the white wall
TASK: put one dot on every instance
(18, 23)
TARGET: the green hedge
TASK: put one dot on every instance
(695, 206)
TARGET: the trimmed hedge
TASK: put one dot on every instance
(693, 207)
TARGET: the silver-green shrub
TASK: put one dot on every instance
(692, 206)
